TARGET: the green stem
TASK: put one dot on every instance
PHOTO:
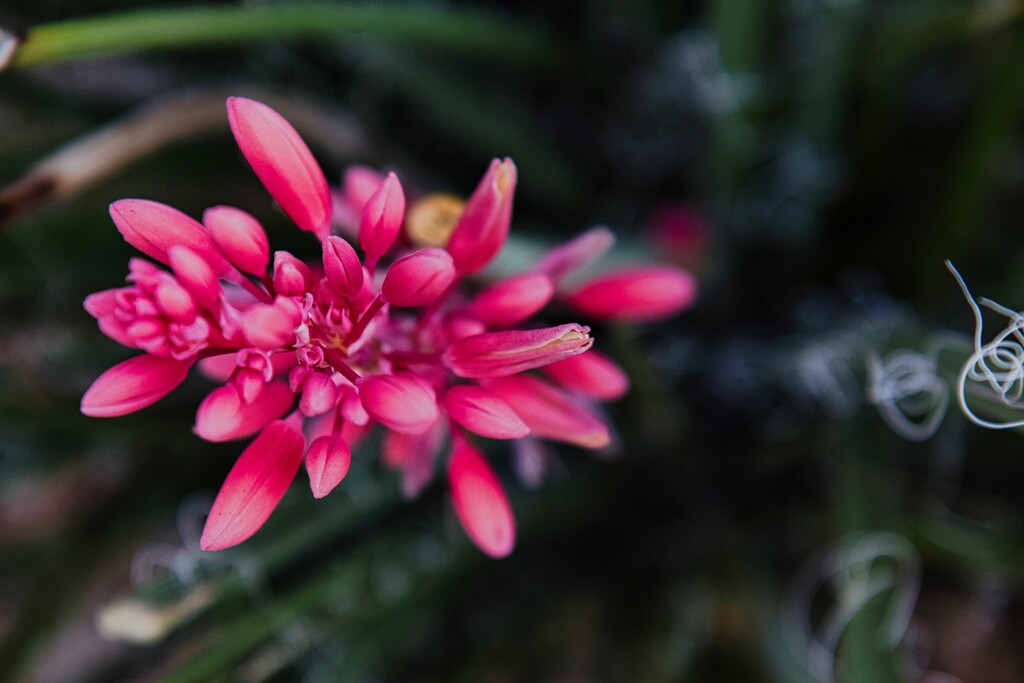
(455, 29)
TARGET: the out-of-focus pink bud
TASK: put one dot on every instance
(480, 502)
(352, 409)
(561, 261)
(496, 354)
(480, 411)
(292, 277)
(271, 326)
(415, 455)
(551, 413)
(636, 294)
(240, 237)
(283, 163)
(458, 325)
(327, 463)
(196, 276)
(174, 301)
(419, 278)
(254, 486)
(319, 394)
(513, 300)
(132, 385)
(359, 184)
(483, 228)
(224, 416)
(342, 267)
(402, 403)
(592, 374)
(153, 228)
(382, 219)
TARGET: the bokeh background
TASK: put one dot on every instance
(796, 495)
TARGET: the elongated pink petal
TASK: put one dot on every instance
(561, 261)
(327, 463)
(592, 374)
(270, 326)
(224, 416)
(382, 219)
(283, 163)
(292, 277)
(415, 455)
(132, 385)
(239, 237)
(342, 267)
(402, 403)
(483, 227)
(153, 228)
(196, 276)
(513, 300)
(480, 411)
(637, 294)
(254, 487)
(419, 278)
(480, 502)
(496, 354)
(358, 185)
(550, 412)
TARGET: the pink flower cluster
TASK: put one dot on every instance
(312, 356)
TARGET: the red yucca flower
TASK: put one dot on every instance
(311, 356)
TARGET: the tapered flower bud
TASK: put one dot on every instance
(224, 415)
(513, 300)
(196, 276)
(282, 162)
(254, 486)
(480, 411)
(496, 354)
(402, 403)
(342, 267)
(270, 326)
(240, 237)
(419, 278)
(327, 463)
(561, 261)
(484, 224)
(480, 502)
(592, 374)
(153, 228)
(550, 412)
(358, 185)
(382, 219)
(292, 277)
(319, 394)
(636, 294)
(132, 385)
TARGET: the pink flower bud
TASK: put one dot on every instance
(561, 261)
(254, 486)
(359, 184)
(402, 403)
(283, 163)
(132, 385)
(513, 300)
(480, 502)
(240, 237)
(496, 354)
(224, 416)
(196, 276)
(153, 228)
(327, 463)
(636, 294)
(173, 301)
(484, 224)
(292, 277)
(342, 267)
(419, 278)
(592, 374)
(480, 411)
(551, 413)
(271, 326)
(382, 219)
(319, 394)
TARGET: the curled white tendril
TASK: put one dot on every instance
(186, 563)
(853, 572)
(908, 392)
(997, 365)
